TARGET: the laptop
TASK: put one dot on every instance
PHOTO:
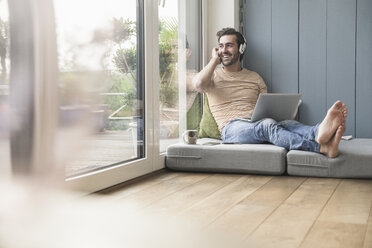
(277, 106)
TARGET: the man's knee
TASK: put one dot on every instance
(265, 127)
(269, 122)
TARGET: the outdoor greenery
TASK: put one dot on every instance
(122, 79)
(122, 83)
(125, 58)
(168, 39)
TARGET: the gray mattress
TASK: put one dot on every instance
(354, 161)
(258, 159)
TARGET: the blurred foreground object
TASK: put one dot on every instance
(34, 217)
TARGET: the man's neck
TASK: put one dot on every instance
(233, 68)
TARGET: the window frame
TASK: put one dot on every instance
(27, 29)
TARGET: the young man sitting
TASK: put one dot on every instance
(233, 92)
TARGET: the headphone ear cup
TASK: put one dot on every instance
(242, 48)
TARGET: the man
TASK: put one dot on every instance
(233, 92)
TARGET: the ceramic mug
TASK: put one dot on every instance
(190, 136)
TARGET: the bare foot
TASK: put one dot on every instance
(330, 149)
(335, 117)
(343, 110)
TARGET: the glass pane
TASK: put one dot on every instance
(5, 168)
(101, 98)
(178, 37)
(193, 57)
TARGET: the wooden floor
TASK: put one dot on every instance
(261, 211)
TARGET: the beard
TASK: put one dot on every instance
(233, 60)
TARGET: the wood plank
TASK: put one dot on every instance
(331, 234)
(312, 62)
(284, 46)
(207, 210)
(341, 25)
(123, 190)
(148, 195)
(257, 32)
(185, 198)
(289, 224)
(248, 214)
(351, 203)
(364, 69)
(343, 221)
(368, 236)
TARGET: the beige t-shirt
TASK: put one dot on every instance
(234, 94)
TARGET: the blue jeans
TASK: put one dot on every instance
(290, 134)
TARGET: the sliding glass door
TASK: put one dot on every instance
(105, 104)
(98, 89)
(80, 97)
(101, 82)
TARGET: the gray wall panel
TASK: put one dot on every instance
(341, 23)
(364, 70)
(257, 31)
(325, 46)
(312, 60)
(284, 46)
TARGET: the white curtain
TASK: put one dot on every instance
(33, 90)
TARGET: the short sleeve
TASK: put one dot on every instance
(262, 85)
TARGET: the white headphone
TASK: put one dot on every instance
(242, 46)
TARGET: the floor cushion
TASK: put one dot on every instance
(211, 156)
(354, 161)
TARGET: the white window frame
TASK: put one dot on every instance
(38, 48)
(113, 175)
(36, 162)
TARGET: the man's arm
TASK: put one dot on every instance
(262, 85)
(203, 80)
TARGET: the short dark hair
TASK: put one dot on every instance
(231, 31)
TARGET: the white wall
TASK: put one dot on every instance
(218, 14)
